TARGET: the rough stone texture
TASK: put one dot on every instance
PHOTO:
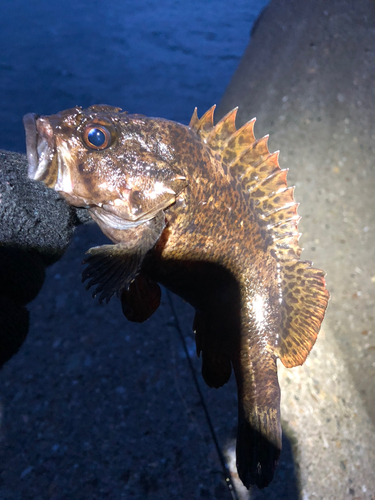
(36, 227)
(32, 217)
(309, 77)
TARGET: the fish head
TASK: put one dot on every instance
(102, 158)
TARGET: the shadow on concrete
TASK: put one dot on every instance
(95, 406)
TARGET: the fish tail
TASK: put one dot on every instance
(259, 429)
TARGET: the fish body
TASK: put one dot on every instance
(204, 210)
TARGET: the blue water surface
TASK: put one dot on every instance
(156, 57)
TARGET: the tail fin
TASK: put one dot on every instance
(257, 456)
(259, 428)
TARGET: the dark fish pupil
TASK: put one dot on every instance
(96, 137)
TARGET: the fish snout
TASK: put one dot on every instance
(40, 145)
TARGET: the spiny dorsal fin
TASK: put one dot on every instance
(302, 291)
(249, 161)
(194, 120)
(241, 138)
(204, 125)
(221, 132)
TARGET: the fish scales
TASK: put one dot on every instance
(204, 210)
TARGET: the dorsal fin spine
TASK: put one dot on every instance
(247, 128)
(295, 220)
(194, 120)
(272, 156)
(206, 123)
(277, 237)
(279, 174)
(228, 120)
(279, 209)
(258, 143)
(286, 194)
(219, 133)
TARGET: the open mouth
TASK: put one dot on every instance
(40, 145)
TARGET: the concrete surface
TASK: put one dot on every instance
(309, 77)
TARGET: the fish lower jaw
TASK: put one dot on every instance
(113, 221)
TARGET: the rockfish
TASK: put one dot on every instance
(205, 211)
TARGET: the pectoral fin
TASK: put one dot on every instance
(114, 267)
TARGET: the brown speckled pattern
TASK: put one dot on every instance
(230, 248)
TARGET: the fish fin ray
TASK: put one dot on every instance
(112, 268)
(205, 124)
(256, 456)
(304, 299)
(242, 137)
(259, 429)
(222, 131)
(194, 120)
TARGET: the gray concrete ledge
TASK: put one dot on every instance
(308, 76)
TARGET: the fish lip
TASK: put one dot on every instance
(29, 122)
(40, 145)
(112, 220)
(137, 219)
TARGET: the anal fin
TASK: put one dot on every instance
(141, 299)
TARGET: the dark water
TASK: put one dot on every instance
(160, 58)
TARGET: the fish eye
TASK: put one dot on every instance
(97, 136)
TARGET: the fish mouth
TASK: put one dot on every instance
(114, 221)
(40, 145)
(114, 218)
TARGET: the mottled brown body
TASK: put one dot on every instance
(205, 211)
